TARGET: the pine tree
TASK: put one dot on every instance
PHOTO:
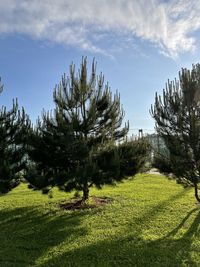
(177, 116)
(80, 135)
(13, 125)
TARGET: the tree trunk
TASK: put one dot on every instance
(85, 192)
(196, 192)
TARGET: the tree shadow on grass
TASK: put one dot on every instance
(27, 233)
(155, 210)
(135, 251)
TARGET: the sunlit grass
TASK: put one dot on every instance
(151, 221)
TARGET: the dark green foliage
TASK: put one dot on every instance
(161, 161)
(75, 146)
(133, 155)
(51, 153)
(13, 126)
(177, 116)
(162, 164)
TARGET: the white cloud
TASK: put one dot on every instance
(167, 24)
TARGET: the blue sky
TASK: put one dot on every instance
(138, 45)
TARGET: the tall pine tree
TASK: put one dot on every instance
(177, 116)
(13, 126)
(75, 146)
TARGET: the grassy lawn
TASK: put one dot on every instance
(152, 221)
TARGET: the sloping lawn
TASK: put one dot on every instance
(151, 221)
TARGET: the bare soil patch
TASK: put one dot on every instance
(78, 204)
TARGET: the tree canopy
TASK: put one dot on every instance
(177, 117)
(75, 146)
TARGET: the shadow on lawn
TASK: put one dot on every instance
(26, 234)
(134, 251)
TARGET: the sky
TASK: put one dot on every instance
(138, 46)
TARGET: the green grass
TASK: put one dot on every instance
(152, 221)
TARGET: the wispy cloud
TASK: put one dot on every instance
(169, 25)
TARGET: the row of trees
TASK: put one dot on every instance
(81, 143)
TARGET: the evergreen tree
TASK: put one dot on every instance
(77, 142)
(13, 125)
(177, 116)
